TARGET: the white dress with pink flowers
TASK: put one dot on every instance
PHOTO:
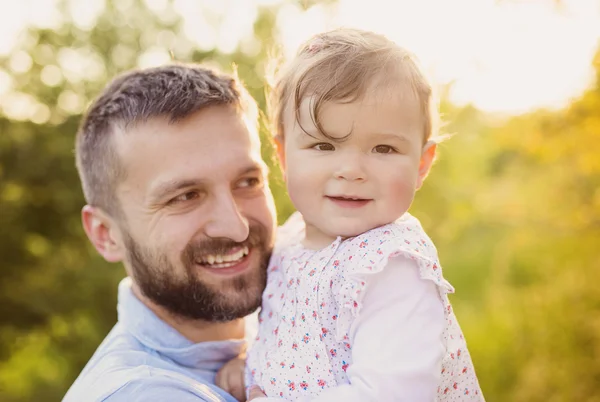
(364, 319)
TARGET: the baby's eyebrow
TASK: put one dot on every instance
(391, 136)
(317, 135)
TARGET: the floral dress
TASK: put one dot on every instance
(312, 297)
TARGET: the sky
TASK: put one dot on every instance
(507, 56)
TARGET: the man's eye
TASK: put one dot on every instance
(323, 146)
(190, 195)
(250, 182)
(383, 149)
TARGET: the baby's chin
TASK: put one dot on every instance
(349, 231)
(324, 232)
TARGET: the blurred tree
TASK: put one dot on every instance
(543, 304)
(513, 206)
(57, 297)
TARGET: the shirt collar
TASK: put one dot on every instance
(159, 336)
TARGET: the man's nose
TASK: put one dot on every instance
(351, 167)
(226, 220)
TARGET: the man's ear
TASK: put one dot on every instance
(280, 147)
(103, 233)
(427, 158)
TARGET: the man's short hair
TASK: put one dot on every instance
(173, 92)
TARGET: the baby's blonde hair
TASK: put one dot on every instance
(341, 66)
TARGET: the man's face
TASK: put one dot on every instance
(198, 215)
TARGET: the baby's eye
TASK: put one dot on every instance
(384, 149)
(323, 146)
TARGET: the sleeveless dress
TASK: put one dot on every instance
(313, 297)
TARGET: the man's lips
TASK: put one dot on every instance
(231, 268)
(224, 260)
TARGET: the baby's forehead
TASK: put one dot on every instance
(362, 119)
(380, 103)
(399, 95)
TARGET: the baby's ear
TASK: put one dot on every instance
(427, 158)
(280, 147)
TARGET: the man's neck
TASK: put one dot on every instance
(195, 330)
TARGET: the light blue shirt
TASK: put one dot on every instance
(145, 359)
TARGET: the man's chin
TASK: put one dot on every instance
(207, 292)
(236, 300)
(212, 304)
(236, 293)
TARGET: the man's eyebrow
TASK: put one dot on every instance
(172, 186)
(256, 167)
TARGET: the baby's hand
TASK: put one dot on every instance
(255, 392)
(231, 378)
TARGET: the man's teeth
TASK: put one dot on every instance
(228, 259)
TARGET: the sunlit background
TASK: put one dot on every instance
(501, 55)
(513, 203)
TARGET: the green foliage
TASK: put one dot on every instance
(513, 206)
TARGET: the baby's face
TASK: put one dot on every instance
(344, 187)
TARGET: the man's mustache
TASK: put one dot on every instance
(257, 237)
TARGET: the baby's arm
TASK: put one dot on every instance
(397, 345)
(231, 378)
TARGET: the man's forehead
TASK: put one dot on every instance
(211, 145)
(209, 127)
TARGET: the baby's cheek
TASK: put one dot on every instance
(301, 189)
(401, 194)
(295, 195)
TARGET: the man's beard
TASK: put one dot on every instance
(186, 295)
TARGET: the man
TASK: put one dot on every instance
(169, 159)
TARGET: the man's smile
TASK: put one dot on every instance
(234, 256)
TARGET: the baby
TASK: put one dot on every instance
(356, 307)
